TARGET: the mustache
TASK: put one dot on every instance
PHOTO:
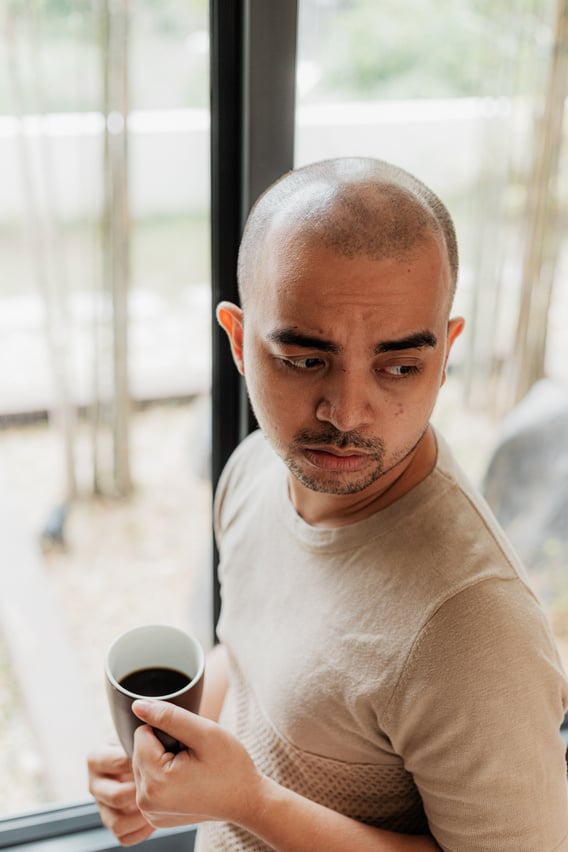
(332, 437)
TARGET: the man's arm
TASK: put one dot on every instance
(215, 779)
(284, 820)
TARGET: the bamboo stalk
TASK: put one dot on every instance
(122, 263)
(542, 244)
(46, 258)
(111, 408)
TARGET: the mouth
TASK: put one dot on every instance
(336, 460)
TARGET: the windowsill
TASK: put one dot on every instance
(78, 828)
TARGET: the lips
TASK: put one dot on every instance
(336, 461)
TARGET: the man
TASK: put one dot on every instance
(387, 679)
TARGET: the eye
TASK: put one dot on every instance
(400, 371)
(303, 364)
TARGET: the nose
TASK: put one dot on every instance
(346, 402)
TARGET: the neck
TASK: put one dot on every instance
(338, 510)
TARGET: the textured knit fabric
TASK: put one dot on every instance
(398, 669)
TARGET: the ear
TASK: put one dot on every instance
(230, 318)
(455, 328)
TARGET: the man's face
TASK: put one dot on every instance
(344, 357)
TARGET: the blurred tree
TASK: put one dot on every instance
(420, 48)
(175, 75)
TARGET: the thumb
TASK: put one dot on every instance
(182, 725)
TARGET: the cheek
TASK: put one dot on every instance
(270, 397)
(281, 400)
(416, 407)
(281, 407)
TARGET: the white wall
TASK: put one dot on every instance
(63, 156)
(169, 152)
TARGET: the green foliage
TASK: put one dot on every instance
(362, 49)
(42, 18)
(426, 48)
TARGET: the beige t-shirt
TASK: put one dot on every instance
(398, 670)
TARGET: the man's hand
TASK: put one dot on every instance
(111, 782)
(213, 779)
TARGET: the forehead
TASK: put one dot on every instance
(301, 280)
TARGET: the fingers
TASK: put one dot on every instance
(111, 782)
(111, 760)
(118, 795)
(110, 772)
(184, 726)
(119, 812)
(136, 836)
(128, 828)
(147, 746)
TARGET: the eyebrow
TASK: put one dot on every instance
(290, 337)
(420, 340)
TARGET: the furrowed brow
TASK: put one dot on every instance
(421, 340)
(289, 337)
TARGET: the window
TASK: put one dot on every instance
(470, 98)
(105, 317)
(235, 177)
(469, 128)
(78, 829)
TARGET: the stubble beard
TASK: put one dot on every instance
(326, 482)
(337, 483)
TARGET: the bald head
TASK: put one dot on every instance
(353, 206)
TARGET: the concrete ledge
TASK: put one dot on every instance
(55, 696)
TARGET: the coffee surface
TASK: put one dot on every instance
(154, 682)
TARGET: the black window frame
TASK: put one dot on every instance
(253, 103)
(253, 71)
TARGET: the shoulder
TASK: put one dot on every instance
(459, 529)
(250, 459)
(489, 646)
(477, 710)
(249, 465)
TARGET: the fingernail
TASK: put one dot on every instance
(141, 704)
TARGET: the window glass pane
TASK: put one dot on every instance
(104, 363)
(469, 96)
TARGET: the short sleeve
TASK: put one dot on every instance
(476, 717)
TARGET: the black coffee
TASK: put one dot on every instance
(154, 682)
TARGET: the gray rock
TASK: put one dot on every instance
(526, 483)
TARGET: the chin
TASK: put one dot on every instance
(339, 486)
